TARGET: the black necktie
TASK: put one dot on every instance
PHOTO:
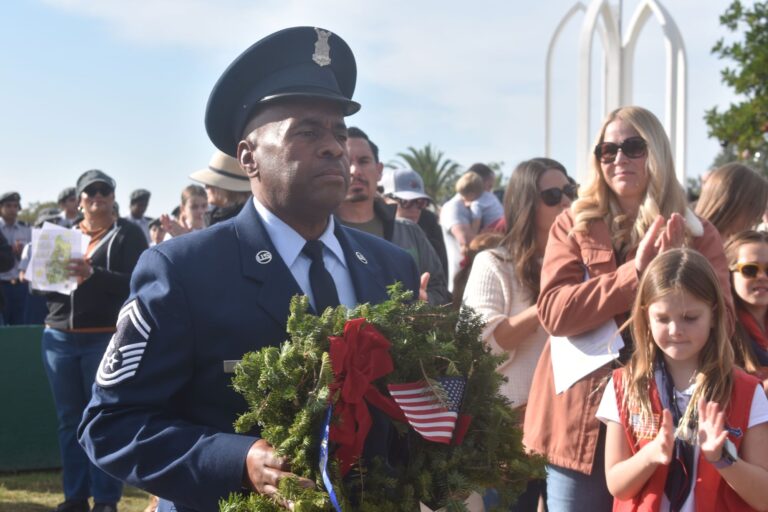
(323, 287)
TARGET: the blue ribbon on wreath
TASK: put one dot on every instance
(324, 460)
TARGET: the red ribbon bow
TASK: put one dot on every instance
(358, 358)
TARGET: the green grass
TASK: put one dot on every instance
(40, 491)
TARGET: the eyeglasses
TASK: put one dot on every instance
(420, 203)
(633, 147)
(98, 188)
(553, 196)
(750, 270)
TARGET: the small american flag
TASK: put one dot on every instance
(432, 416)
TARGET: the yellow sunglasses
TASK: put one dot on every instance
(750, 270)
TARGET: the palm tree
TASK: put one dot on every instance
(438, 173)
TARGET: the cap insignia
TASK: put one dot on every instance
(322, 55)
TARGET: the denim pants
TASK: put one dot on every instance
(571, 491)
(71, 361)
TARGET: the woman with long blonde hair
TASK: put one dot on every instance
(630, 209)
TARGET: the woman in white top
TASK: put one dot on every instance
(503, 284)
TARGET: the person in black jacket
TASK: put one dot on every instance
(78, 329)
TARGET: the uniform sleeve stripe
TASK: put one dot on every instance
(112, 382)
(132, 346)
(134, 313)
(131, 360)
(108, 376)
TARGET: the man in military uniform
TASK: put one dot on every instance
(67, 202)
(138, 207)
(17, 234)
(163, 407)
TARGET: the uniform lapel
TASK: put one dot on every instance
(260, 261)
(366, 274)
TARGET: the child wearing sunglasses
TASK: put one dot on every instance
(747, 254)
(680, 416)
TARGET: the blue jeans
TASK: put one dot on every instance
(571, 491)
(71, 361)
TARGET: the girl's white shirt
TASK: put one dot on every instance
(608, 411)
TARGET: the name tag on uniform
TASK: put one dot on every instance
(229, 366)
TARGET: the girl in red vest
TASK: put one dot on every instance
(747, 253)
(686, 429)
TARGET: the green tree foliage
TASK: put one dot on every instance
(439, 173)
(745, 123)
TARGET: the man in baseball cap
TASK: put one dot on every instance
(199, 302)
(138, 207)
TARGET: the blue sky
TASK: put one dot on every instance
(122, 86)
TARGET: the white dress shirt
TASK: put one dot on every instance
(289, 244)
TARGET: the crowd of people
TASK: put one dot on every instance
(293, 201)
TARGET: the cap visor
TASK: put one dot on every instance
(409, 195)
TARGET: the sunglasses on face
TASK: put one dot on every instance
(633, 147)
(98, 188)
(410, 203)
(553, 196)
(750, 270)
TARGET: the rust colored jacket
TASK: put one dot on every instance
(564, 427)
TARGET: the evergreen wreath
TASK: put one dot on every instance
(288, 390)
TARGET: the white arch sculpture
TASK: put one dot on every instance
(617, 73)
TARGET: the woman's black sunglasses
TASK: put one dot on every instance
(553, 196)
(98, 188)
(633, 147)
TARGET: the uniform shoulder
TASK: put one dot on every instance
(373, 243)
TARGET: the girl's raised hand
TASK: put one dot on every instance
(712, 433)
(664, 442)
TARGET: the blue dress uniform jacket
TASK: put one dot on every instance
(161, 417)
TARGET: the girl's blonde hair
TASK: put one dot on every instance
(679, 270)
(664, 194)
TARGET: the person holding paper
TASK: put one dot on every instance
(504, 282)
(630, 209)
(78, 329)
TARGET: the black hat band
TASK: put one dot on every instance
(228, 174)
